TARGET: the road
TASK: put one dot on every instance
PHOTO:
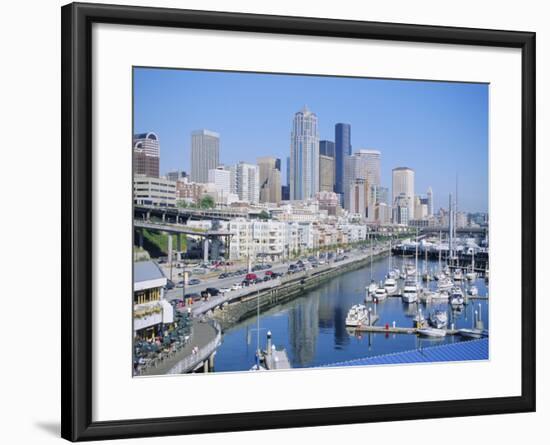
(228, 282)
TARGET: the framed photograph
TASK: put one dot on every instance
(275, 222)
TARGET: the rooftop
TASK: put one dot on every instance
(146, 271)
(450, 352)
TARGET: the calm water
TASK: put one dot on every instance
(312, 328)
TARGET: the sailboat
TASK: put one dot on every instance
(390, 284)
(472, 275)
(457, 296)
(411, 289)
(371, 288)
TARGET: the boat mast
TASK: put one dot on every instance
(440, 251)
(370, 239)
(416, 256)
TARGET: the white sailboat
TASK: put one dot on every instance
(371, 288)
(439, 319)
(390, 284)
(380, 293)
(472, 275)
(410, 291)
(431, 332)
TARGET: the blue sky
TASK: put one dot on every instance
(440, 129)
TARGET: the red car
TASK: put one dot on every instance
(269, 272)
(250, 276)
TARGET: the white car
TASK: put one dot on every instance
(224, 290)
(236, 286)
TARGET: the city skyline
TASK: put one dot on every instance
(443, 114)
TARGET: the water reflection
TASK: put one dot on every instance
(313, 331)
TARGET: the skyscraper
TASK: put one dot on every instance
(146, 153)
(326, 148)
(403, 187)
(372, 158)
(342, 149)
(326, 173)
(304, 155)
(246, 182)
(430, 197)
(221, 178)
(270, 179)
(205, 154)
(355, 168)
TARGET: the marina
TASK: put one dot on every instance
(312, 328)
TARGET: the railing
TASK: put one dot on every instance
(191, 361)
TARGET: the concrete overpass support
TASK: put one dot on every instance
(205, 249)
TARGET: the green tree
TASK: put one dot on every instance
(264, 215)
(207, 202)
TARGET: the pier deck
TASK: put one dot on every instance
(397, 330)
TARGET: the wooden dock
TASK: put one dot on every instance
(397, 330)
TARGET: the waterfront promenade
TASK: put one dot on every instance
(204, 339)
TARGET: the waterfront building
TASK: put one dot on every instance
(146, 154)
(327, 148)
(342, 149)
(205, 154)
(420, 208)
(176, 175)
(270, 179)
(372, 165)
(246, 182)
(326, 173)
(297, 211)
(152, 313)
(154, 191)
(403, 185)
(304, 155)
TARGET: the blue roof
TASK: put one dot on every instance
(451, 352)
(146, 271)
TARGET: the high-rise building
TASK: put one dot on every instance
(304, 155)
(355, 168)
(357, 197)
(221, 178)
(270, 179)
(430, 197)
(403, 185)
(372, 158)
(326, 148)
(288, 173)
(205, 154)
(326, 173)
(245, 182)
(401, 210)
(342, 149)
(146, 153)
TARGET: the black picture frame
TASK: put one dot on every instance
(76, 248)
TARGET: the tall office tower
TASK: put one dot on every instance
(304, 155)
(246, 182)
(355, 168)
(270, 179)
(146, 153)
(326, 148)
(288, 173)
(403, 185)
(401, 209)
(357, 197)
(221, 178)
(326, 173)
(205, 154)
(342, 149)
(430, 196)
(372, 158)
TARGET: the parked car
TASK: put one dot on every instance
(213, 291)
(169, 285)
(267, 278)
(223, 275)
(194, 281)
(269, 272)
(194, 296)
(224, 290)
(237, 286)
(250, 276)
